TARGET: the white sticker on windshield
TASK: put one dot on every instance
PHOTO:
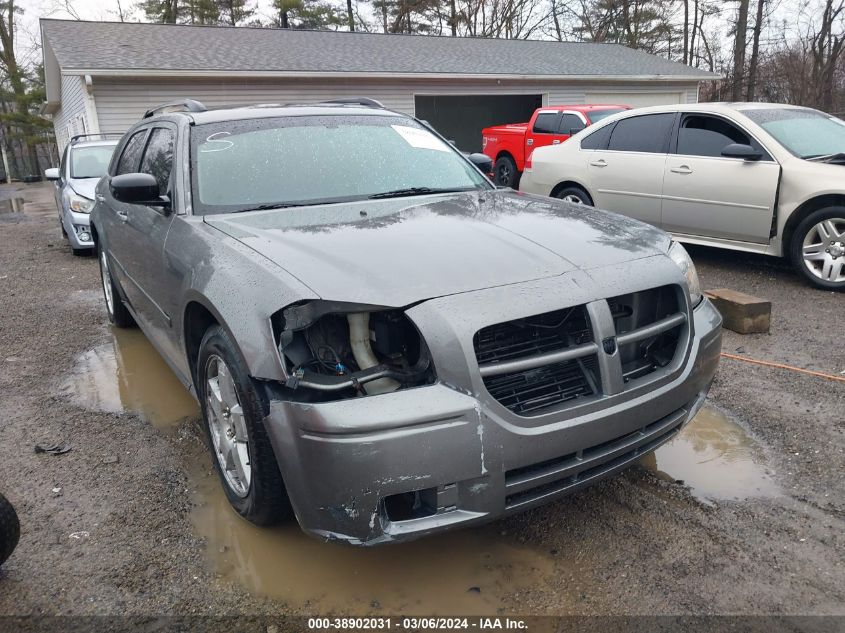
(422, 139)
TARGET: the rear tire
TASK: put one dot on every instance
(817, 248)
(233, 412)
(10, 529)
(118, 313)
(574, 195)
(505, 173)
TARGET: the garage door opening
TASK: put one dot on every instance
(461, 118)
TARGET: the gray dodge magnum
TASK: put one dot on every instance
(384, 345)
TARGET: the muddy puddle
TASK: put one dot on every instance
(459, 573)
(716, 458)
(127, 374)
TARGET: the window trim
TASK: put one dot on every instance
(667, 142)
(755, 142)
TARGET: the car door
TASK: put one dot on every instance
(115, 216)
(627, 176)
(707, 194)
(146, 230)
(543, 132)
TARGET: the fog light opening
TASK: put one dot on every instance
(411, 505)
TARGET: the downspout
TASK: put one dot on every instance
(91, 106)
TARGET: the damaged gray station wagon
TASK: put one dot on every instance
(384, 345)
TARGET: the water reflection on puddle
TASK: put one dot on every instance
(127, 374)
(465, 572)
(716, 458)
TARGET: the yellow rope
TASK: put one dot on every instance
(766, 363)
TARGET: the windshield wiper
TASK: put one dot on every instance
(416, 191)
(838, 157)
(267, 207)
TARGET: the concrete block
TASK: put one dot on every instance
(742, 313)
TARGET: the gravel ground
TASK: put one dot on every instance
(117, 538)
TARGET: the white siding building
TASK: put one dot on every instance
(102, 76)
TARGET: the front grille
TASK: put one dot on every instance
(638, 310)
(537, 362)
(528, 390)
(534, 482)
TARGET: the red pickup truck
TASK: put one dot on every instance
(510, 145)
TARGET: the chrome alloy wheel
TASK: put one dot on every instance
(573, 198)
(823, 250)
(105, 275)
(227, 426)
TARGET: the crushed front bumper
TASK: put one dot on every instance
(342, 461)
(78, 229)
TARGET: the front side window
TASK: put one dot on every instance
(804, 132)
(546, 123)
(158, 158)
(131, 153)
(307, 160)
(570, 124)
(90, 162)
(648, 133)
(708, 136)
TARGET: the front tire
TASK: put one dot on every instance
(10, 529)
(233, 413)
(817, 248)
(505, 173)
(118, 313)
(574, 195)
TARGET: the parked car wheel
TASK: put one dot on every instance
(119, 314)
(575, 195)
(233, 413)
(818, 248)
(505, 172)
(10, 529)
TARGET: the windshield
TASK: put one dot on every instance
(804, 132)
(242, 165)
(90, 162)
(598, 115)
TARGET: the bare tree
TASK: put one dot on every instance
(740, 36)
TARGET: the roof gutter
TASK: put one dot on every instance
(281, 74)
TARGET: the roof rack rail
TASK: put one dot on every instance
(104, 135)
(362, 101)
(180, 105)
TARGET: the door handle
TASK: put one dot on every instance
(123, 217)
(599, 163)
(683, 169)
(100, 197)
(530, 141)
(556, 142)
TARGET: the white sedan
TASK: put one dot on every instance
(759, 177)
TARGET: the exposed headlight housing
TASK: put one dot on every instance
(679, 255)
(80, 204)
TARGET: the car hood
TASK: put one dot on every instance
(84, 186)
(399, 251)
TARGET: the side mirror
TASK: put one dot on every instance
(52, 173)
(739, 150)
(482, 161)
(137, 189)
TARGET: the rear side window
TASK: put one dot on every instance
(570, 124)
(648, 133)
(597, 139)
(129, 158)
(546, 123)
(158, 158)
(708, 136)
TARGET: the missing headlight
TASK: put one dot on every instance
(336, 351)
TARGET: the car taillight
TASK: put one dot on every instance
(528, 162)
(483, 142)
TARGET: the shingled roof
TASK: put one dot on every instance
(141, 48)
